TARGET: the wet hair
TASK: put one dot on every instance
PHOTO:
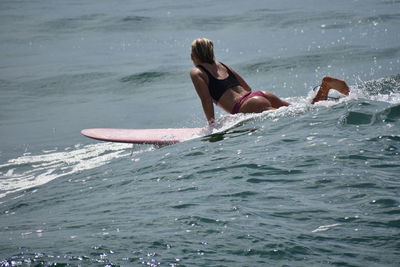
(203, 50)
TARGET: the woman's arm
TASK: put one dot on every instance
(202, 91)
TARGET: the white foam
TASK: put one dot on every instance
(300, 105)
(33, 170)
(375, 90)
(325, 227)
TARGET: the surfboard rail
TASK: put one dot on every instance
(160, 136)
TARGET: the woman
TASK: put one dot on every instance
(218, 83)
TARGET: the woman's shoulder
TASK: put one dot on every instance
(224, 66)
(198, 74)
(198, 71)
(195, 71)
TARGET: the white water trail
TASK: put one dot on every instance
(29, 171)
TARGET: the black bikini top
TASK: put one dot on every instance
(218, 87)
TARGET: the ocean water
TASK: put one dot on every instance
(306, 185)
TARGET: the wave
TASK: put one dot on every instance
(29, 171)
(383, 86)
(145, 77)
(130, 23)
(355, 21)
(262, 18)
(390, 2)
(369, 103)
(298, 19)
(58, 85)
(154, 18)
(313, 59)
(136, 19)
(72, 24)
(269, 18)
(387, 115)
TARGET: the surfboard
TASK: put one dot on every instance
(145, 136)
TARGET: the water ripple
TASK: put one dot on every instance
(145, 77)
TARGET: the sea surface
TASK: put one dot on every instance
(306, 185)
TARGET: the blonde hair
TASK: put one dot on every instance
(203, 50)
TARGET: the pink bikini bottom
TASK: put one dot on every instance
(248, 95)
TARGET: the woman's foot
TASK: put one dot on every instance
(330, 83)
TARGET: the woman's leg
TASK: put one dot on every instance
(330, 83)
(269, 101)
(260, 101)
(256, 104)
(275, 101)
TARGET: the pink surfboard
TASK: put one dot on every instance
(145, 136)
